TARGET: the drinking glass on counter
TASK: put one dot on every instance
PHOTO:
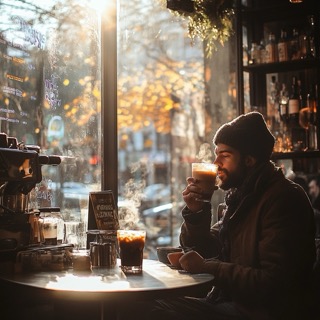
(131, 245)
(103, 250)
(205, 174)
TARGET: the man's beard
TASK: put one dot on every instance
(233, 179)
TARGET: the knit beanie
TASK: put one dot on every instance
(248, 134)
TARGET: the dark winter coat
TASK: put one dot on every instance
(271, 237)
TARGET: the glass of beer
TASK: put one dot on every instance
(131, 245)
(205, 174)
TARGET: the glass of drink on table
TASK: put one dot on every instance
(205, 174)
(131, 245)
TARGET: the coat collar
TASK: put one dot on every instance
(256, 184)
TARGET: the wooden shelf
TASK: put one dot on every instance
(255, 21)
(286, 66)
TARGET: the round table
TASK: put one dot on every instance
(106, 286)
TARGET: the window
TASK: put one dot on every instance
(166, 96)
(50, 94)
(170, 99)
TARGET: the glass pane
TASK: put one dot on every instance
(168, 106)
(170, 101)
(50, 94)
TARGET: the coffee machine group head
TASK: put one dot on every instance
(20, 171)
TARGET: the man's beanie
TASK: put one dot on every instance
(248, 134)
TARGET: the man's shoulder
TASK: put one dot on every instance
(283, 188)
(316, 203)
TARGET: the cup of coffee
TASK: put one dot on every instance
(162, 253)
(205, 174)
(131, 245)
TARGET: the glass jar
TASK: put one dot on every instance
(52, 226)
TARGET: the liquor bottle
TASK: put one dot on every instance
(284, 135)
(294, 102)
(302, 94)
(271, 49)
(297, 132)
(283, 47)
(312, 128)
(262, 49)
(304, 115)
(294, 45)
(283, 103)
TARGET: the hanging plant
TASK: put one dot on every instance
(209, 20)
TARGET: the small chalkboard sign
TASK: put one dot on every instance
(102, 207)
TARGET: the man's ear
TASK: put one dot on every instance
(250, 161)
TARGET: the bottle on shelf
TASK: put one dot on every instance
(283, 104)
(262, 49)
(294, 45)
(312, 118)
(302, 94)
(283, 136)
(294, 105)
(294, 102)
(283, 54)
(304, 114)
(271, 49)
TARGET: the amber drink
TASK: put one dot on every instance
(131, 245)
(205, 174)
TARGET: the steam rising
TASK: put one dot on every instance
(205, 153)
(128, 212)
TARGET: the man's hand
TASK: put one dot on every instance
(192, 262)
(192, 194)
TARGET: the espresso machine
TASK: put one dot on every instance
(20, 171)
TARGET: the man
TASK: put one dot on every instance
(262, 252)
(314, 192)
